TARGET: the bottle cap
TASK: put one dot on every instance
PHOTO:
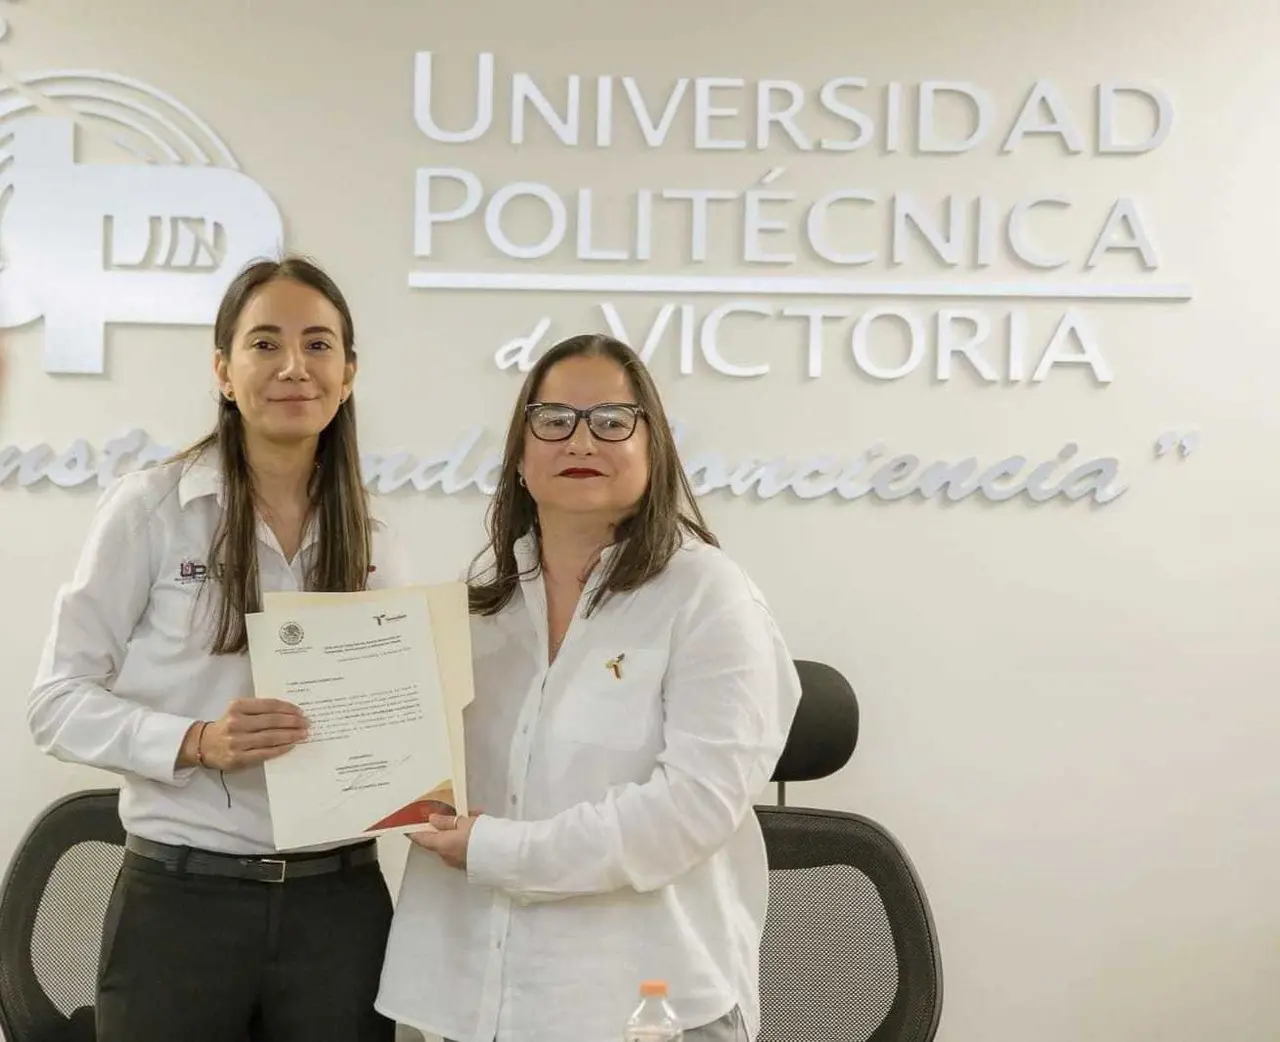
(653, 989)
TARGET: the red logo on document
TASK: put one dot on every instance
(438, 801)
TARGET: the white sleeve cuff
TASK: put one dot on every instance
(156, 748)
(493, 852)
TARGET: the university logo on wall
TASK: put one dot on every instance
(152, 236)
(153, 231)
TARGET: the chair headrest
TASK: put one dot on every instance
(825, 730)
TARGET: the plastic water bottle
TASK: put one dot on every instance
(653, 1020)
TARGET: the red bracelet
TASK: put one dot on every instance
(199, 740)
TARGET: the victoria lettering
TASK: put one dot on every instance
(882, 343)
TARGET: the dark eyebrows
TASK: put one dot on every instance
(310, 330)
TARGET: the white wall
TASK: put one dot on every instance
(1069, 709)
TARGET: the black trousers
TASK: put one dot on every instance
(195, 958)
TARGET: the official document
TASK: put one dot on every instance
(382, 677)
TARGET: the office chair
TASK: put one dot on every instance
(52, 905)
(849, 951)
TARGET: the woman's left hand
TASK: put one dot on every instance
(450, 842)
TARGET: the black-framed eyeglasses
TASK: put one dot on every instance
(608, 421)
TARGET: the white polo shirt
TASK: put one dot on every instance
(126, 668)
(618, 841)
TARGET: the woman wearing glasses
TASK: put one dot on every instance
(633, 695)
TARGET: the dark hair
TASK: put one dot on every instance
(646, 539)
(339, 500)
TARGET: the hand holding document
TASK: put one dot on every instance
(382, 677)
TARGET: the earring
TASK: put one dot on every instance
(520, 478)
(229, 394)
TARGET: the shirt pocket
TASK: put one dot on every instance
(613, 700)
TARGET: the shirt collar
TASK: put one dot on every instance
(201, 477)
(528, 561)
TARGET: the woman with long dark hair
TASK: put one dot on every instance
(632, 697)
(211, 934)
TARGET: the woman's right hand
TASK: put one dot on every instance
(251, 731)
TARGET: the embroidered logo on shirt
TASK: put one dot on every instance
(192, 572)
(291, 633)
(614, 665)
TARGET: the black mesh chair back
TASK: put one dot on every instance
(849, 952)
(52, 905)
